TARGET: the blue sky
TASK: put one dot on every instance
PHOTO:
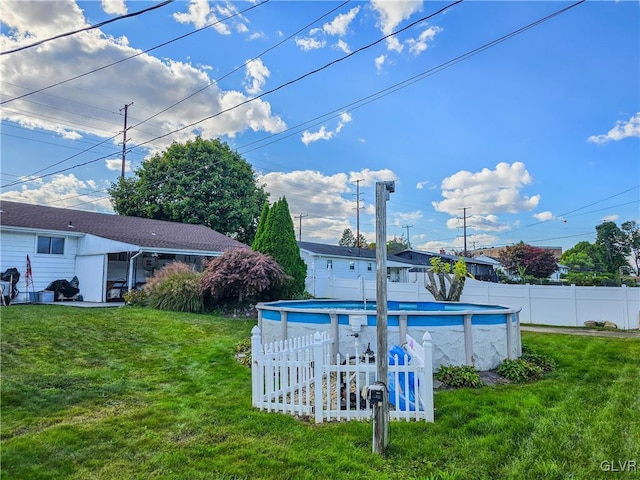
(537, 136)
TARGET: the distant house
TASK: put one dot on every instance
(98, 248)
(333, 261)
(479, 268)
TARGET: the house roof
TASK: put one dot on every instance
(142, 232)
(421, 258)
(352, 252)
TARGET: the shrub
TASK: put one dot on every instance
(176, 287)
(545, 363)
(459, 376)
(243, 352)
(241, 273)
(135, 297)
(519, 370)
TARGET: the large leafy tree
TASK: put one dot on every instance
(613, 246)
(522, 259)
(582, 258)
(397, 245)
(632, 231)
(200, 181)
(277, 239)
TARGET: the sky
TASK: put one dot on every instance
(524, 134)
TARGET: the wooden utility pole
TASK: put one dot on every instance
(408, 238)
(300, 217)
(124, 139)
(464, 224)
(381, 410)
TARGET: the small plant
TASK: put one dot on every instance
(243, 352)
(459, 376)
(519, 370)
(135, 297)
(545, 363)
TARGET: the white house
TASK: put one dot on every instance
(333, 261)
(98, 248)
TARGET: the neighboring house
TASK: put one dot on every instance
(555, 276)
(479, 268)
(333, 261)
(98, 248)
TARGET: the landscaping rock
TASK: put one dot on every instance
(610, 325)
(590, 324)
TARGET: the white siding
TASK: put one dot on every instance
(45, 268)
(92, 276)
(318, 274)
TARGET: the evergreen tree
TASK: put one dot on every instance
(262, 223)
(277, 239)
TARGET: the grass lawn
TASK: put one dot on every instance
(137, 393)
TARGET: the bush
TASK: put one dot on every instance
(459, 376)
(519, 370)
(545, 363)
(135, 297)
(176, 288)
(242, 274)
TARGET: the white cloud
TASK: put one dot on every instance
(342, 45)
(324, 134)
(65, 191)
(421, 185)
(486, 223)
(340, 24)
(611, 218)
(327, 199)
(406, 218)
(620, 131)
(114, 7)
(308, 43)
(116, 165)
(544, 216)
(255, 76)
(391, 14)
(154, 83)
(380, 62)
(487, 191)
(420, 44)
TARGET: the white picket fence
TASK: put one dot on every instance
(298, 376)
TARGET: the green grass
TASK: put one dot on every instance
(137, 394)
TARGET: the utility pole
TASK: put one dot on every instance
(124, 138)
(357, 182)
(381, 409)
(464, 223)
(300, 217)
(408, 239)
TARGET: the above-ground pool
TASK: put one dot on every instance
(461, 333)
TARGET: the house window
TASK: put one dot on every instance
(329, 264)
(369, 266)
(352, 265)
(51, 245)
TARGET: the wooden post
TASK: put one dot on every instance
(381, 413)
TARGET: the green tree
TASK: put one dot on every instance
(349, 240)
(582, 258)
(201, 182)
(631, 230)
(397, 245)
(611, 242)
(277, 239)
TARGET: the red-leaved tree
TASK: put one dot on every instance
(242, 273)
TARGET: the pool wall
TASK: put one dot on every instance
(462, 334)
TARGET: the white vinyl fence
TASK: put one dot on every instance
(298, 376)
(555, 305)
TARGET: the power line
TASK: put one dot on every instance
(98, 25)
(135, 55)
(212, 83)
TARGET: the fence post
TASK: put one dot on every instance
(509, 326)
(256, 369)
(335, 333)
(468, 339)
(317, 376)
(426, 386)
